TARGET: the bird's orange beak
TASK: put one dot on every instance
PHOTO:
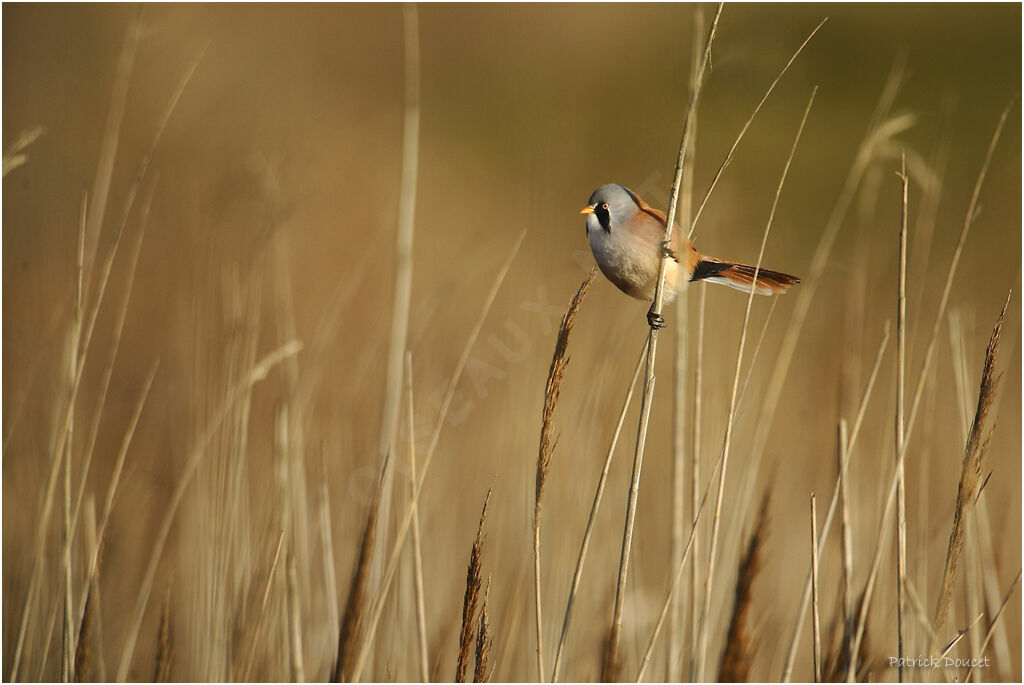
(587, 210)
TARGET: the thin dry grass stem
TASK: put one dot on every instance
(327, 538)
(727, 440)
(698, 383)
(46, 642)
(757, 350)
(750, 120)
(556, 375)
(164, 646)
(68, 660)
(901, 494)
(918, 609)
(406, 225)
(847, 455)
(417, 548)
(295, 623)
(846, 537)
(258, 620)
(92, 593)
(992, 625)
(354, 617)
(815, 611)
(403, 528)
(673, 662)
(594, 508)
(258, 372)
(484, 642)
(611, 658)
(403, 249)
(959, 636)
(675, 582)
(474, 583)
(111, 134)
(970, 476)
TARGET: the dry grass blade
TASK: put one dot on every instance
(556, 374)
(992, 625)
(594, 508)
(970, 475)
(474, 583)
(484, 642)
(738, 653)
(257, 622)
(354, 616)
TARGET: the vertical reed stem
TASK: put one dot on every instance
(901, 496)
(615, 635)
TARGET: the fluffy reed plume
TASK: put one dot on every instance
(484, 642)
(556, 374)
(472, 598)
(164, 646)
(738, 654)
(83, 657)
(355, 606)
(970, 476)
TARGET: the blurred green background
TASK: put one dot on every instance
(274, 194)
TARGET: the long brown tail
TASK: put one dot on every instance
(741, 277)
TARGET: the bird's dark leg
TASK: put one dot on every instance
(654, 320)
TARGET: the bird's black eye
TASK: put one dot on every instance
(604, 217)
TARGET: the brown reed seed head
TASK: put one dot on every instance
(472, 597)
(556, 374)
(484, 642)
(970, 475)
(355, 605)
(739, 650)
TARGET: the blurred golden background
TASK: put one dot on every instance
(268, 213)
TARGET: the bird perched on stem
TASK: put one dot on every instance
(627, 237)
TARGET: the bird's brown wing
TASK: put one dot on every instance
(650, 224)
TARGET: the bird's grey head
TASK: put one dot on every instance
(610, 206)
